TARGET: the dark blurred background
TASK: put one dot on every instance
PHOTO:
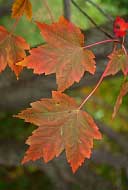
(108, 167)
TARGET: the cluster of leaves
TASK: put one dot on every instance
(62, 124)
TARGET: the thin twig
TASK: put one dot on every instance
(91, 20)
(67, 9)
(101, 10)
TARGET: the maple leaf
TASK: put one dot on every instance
(20, 7)
(123, 92)
(120, 27)
(64, 54)
(11, 50)
(118, 61)
(61, 126)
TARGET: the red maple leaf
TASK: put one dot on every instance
(64, 54)
(61, 126)
(120, 27)
(118, 61)
(123, 92)
(12, 50)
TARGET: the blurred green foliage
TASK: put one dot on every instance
(13, 128)
(20, 178)
(115, 7)
(118, 4)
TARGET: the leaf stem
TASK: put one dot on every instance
(124, 49)
(123, 46)
(14, 25)
(49, 10)
(102, 42)
(92, 92)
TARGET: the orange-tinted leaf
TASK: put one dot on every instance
(118, 61)
(123, 92)
(20, 7)
(63, 55)
(11, 50)
(61, 126)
